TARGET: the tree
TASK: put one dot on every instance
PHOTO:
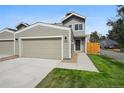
(121, 11)
(117, 31)
(94, 37)
(102, 37)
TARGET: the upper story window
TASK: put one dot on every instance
(78, 27)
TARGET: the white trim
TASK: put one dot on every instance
(73, 25)
(43, 24)
(20, 42)
(72, 15)
(14, 45)
(70, 44)
(6, 30)
(86, 44)
(38, 37)
(62, 47)
(12, 39)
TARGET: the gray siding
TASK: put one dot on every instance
(72, 21)
(6, 35)
(46, 31)
(7, 47)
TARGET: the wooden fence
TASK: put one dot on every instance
(93, 48)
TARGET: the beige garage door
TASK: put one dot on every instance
(7, 47)
(42, 48)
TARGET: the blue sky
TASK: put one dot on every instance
(96, 15)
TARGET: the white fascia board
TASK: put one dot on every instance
(72, 15)
(6, 30)
(43, 24)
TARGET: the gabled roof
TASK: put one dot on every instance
(43, 24)
(22, 23)
(11, 29)
(7, 30)
(68, 15)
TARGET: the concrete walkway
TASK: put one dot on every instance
(83, 63)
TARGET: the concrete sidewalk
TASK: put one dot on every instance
(83, 63)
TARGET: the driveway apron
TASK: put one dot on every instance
(24, 72)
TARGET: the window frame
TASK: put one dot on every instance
(78, 27)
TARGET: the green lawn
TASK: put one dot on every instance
(111, 75)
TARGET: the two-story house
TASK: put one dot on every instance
(44, 40)
(77, 23)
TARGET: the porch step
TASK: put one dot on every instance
(72, 60)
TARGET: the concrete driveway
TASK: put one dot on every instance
(24, 72)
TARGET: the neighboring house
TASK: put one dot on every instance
(108, 43)
(48, 41)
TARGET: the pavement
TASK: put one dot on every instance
(28, 72)
(115, 55)
(24, 72)
(83, 63)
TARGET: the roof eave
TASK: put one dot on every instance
(65, 18)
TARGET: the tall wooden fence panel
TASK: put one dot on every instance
(93, 48)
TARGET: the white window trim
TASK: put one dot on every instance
(73, 27)
(21, 38)
(78, 27)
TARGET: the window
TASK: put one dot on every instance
(78, 26)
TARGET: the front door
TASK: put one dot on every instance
(78, 45)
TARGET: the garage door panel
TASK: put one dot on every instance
(7, 47)
(42, 48)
